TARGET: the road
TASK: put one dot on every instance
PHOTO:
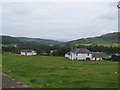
(7, 82)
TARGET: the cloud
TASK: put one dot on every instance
(60, 0)
(60, 21)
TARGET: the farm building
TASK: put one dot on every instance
(115, 57)
(84, 54)
(44, 54)
(28, 52)
(52, 52)
(98, 55)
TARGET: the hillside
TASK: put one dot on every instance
(107, 39)
(110, 39)
(9, 40)
(17, 40)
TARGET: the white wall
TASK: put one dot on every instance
(97, 59)
(80, 56)
(34, 53)
(90, 56)
(73, 56)
(29, 53)
(22, 53)
(68, 56)
(83, 56)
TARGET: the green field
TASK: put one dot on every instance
(101, 44)
(59, 72)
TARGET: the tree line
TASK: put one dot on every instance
(59, 50)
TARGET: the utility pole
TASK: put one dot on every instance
(118, 20)
(118, 5)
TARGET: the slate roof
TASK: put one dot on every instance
(27, 50)
(117, 54)
(99, 55)
(81, 50)
(68, 53)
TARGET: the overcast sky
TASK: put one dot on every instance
(63, 21)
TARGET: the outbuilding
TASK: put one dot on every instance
(28, 52)
(98, 55)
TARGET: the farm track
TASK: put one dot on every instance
(7, 82)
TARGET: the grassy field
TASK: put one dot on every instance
(0, 61)
(103, 44)
(59, 72)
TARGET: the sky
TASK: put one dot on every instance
(63, 21)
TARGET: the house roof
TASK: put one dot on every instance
(68, 53)
(117, 54)
(27, 50)
(99, 55)
(81, 50)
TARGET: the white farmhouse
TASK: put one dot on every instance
(28, 52)
(68, 55)
(79, 54)
(84, 54)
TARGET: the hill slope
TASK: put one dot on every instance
(107, 39)
(17, 40)
(9, 40)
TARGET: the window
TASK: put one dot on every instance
(88, 54)
(76, 54)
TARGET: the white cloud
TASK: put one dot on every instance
(59, 21)
(59, 0)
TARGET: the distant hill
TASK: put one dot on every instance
(18, 40)
(9, 40)
(107, 40)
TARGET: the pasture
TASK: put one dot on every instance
(59, 72)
